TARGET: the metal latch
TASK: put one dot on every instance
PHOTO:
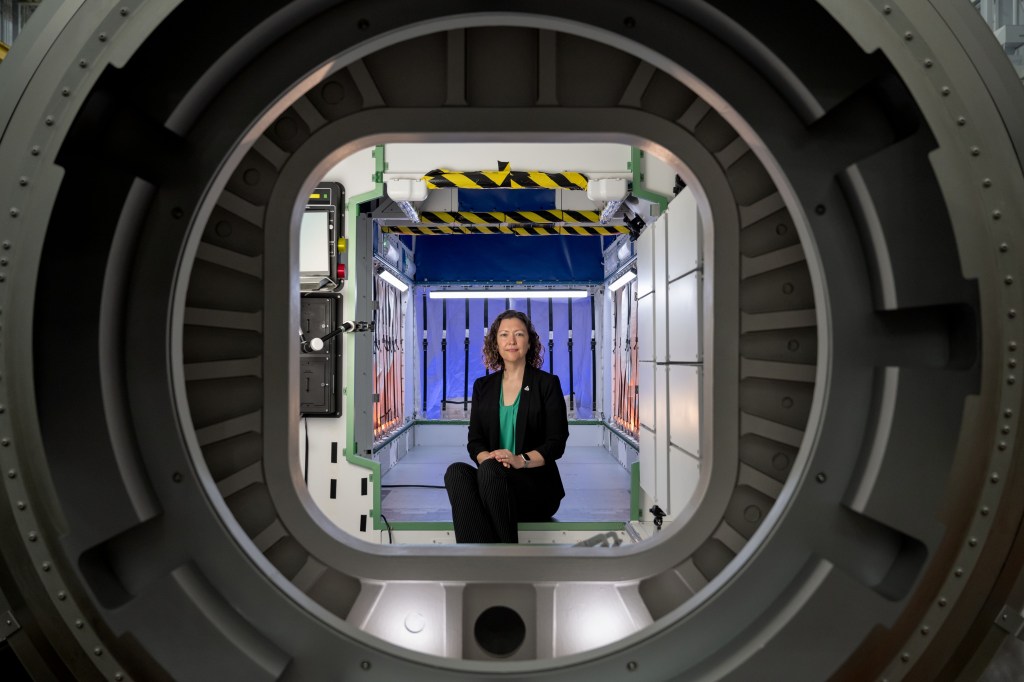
(1011, 620)
(8, 625)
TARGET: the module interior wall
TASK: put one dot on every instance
(670, 300)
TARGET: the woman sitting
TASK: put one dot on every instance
(517, 429)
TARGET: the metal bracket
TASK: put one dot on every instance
(8, 625)
(1011, 620)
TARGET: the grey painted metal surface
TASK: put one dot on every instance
(134, 497)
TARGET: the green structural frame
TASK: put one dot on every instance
(349, 306)
(639, 190)
(351, 449)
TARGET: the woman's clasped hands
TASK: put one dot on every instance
(508, 459)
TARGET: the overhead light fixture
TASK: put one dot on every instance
(393, 281)
(509, 293)
(608, 189)
(625, 250)
(407, 189)
(623, 279)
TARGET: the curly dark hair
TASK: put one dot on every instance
(492, 358)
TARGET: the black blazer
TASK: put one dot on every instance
(541, 423)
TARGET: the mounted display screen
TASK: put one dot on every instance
(314, 245)
(319, 233)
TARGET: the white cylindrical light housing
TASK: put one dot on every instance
(622, 280)
(393, 281)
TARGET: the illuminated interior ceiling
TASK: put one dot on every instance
(888, 135)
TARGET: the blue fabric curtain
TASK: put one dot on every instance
(433, 364)
(453, 365)
(583, 357)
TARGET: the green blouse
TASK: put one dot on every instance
(507, 421)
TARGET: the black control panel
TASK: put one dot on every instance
(319, 363)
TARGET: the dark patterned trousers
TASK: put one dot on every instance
(488, 501)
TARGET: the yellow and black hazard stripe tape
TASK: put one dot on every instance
(539, 180)
(461, 218)
(570, 230)
(442, 178)
(520, 230)
(494, 218)
(504, 178)
(434, 230)
(553, 217)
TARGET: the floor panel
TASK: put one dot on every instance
(596, 486)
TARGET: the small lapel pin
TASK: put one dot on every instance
(526, 388)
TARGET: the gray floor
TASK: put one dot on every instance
(596, 486)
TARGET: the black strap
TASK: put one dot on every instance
(593, 355)
(551, 337)
(572, 368)
(444, 355)
(424, 353)
(465, 372)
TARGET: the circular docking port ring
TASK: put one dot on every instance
(858, 170)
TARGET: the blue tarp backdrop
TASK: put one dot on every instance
(447, 370)
(506, 199)
(508, 258)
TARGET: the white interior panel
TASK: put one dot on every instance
(593, 615)
(573, 200)
(580, 435)
(659, 177)
(416, 158)
(684, 407)
(442, 434)
(683, 475)
(314, 243)
(661, 434)
(645, 263)
(683, 252)
(647, 464)
(647, 395)
(660, 247)
(683, 320)
(442, 200)
(660, 291)
(409, 615)
(645, 329)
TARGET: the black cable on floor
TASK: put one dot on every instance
(391, 538)
(412, 485)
